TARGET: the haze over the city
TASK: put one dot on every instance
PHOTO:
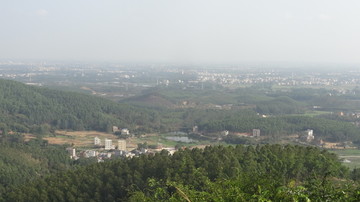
(186, 31)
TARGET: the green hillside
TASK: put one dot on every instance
(22, 162)
(262, 173)
(23, 108)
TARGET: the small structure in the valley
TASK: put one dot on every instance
(122, 145)
(225, 133)
(256, 133)
(97, 141)
(90, 153)
(309, 135)
(108, 144)
(72, 152)
(125, 131)
(115, 129)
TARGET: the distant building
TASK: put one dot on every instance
(225, 133)
(108, 144)
(90, 153)
(129, 155)
(97, 141)
(120, 153)
(125, 131)
(309, 135)
(72, 152)
(115, 129)
(195, 129)
(256, 133)
(122, 145)
(171, 150)
(105, 155)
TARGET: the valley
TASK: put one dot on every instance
(69, 129)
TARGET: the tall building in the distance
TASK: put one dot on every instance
(108, 144)
(122, 145)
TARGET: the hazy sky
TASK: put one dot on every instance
(190, 31)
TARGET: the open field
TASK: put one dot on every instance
(154, 139)
(315, 113)
(85, 139)
(354, 161)
(353, 155)
(79, 138)
(75, 138)
(347, 152)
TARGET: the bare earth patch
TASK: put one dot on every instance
(79, 138)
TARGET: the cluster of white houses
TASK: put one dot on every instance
(108, 144)
(120, 150)
(108, 149)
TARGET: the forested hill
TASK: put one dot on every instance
(24, 108)
(262, 173)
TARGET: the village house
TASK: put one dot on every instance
(97, 141)
(125, 131)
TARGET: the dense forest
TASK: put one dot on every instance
(27, 108)
(330, 130)
(40, 110)
(286, 111)
(21, 162)
(218, 173)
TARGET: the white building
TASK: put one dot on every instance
(310, 132)
(72, 152)
(108, 144)
(310, 135)
(125, 131)
(225, 133)
(90, 153)
(97, 141)
(122, 145)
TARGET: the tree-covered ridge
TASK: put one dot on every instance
(32, 109)
(331, 130)
(22, 107)
(22, 162)
(199, 174)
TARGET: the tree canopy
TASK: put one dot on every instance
(270, 172)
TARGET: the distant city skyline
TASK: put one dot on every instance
(186, 31)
